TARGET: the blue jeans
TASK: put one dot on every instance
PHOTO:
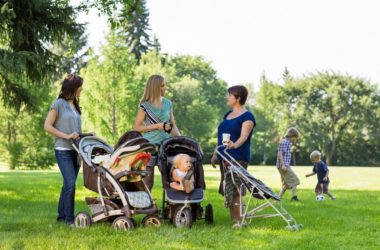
(69, 167)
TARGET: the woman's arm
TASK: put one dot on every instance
(175, 130)
(48, 127)
(246, 129)
(139, 123)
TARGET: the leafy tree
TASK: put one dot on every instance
(199, 96)
(134, 25)
(269, 118)
(110, 90)
(326, 106)
(28, 29)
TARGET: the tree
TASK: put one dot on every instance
(199, 96)
(327, 106)
(25, 59)
(269, 115)
(110, 91)
(134, 25)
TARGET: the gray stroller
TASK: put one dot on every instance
(241, 179)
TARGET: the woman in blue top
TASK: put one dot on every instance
(64, 122)
(239, 123)
(155, 118)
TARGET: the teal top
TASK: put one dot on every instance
(154, 115)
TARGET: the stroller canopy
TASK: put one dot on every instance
(91, 145)
(180, 144)
(254, 185)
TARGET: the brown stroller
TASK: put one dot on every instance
(116, 175)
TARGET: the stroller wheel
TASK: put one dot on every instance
(209, 214)
(182, 217)
(292, 228)
(151, 221)
(82, 220)
(123, 223)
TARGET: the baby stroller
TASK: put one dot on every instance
(181, 208)
(241, 179)
(117, 177)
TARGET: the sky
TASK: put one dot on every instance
(245, 38)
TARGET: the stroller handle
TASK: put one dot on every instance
(226, 156)
(75, 142)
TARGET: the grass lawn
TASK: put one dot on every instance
(28, 202)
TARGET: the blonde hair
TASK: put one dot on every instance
(177, 159)
(315, 155)
(152, 92)
(292, 132)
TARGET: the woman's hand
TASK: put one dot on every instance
(160, 126)
(214, 160)
(231, 145)
(72, 136)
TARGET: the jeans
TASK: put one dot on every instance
(69, 167)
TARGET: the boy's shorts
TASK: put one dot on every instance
(289, 179)
(322, 187)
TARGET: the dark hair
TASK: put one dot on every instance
(239, 91)
(70, 85)
(129, 135)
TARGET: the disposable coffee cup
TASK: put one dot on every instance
(226, 139)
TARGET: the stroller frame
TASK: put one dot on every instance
(106, 208)
(180, 208)
(247, 213)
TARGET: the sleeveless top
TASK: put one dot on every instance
(154, 115)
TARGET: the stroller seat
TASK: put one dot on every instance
(176, 196)
(139, 199)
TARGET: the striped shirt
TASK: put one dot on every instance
(286, 150)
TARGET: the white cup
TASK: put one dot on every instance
(226, 139)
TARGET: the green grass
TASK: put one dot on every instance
(28, 201)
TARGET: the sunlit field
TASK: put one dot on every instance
(28, 201)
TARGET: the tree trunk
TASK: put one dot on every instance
(330, 153)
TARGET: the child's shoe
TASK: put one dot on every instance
(294, 198)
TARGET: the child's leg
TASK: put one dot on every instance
(176, 186)
(294, 191)
(282, 191)
(331, 195)
(325, 188)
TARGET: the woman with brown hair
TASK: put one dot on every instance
(239, 124)
(155, 119)
(64, 122)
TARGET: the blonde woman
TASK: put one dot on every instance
(155, 118)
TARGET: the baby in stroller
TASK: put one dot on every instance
(182, 173)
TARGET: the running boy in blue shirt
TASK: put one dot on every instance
(321, 170)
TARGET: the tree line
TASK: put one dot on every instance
(337, 114)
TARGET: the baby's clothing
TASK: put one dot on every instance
(180, 173)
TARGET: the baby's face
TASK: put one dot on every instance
(185, 164)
